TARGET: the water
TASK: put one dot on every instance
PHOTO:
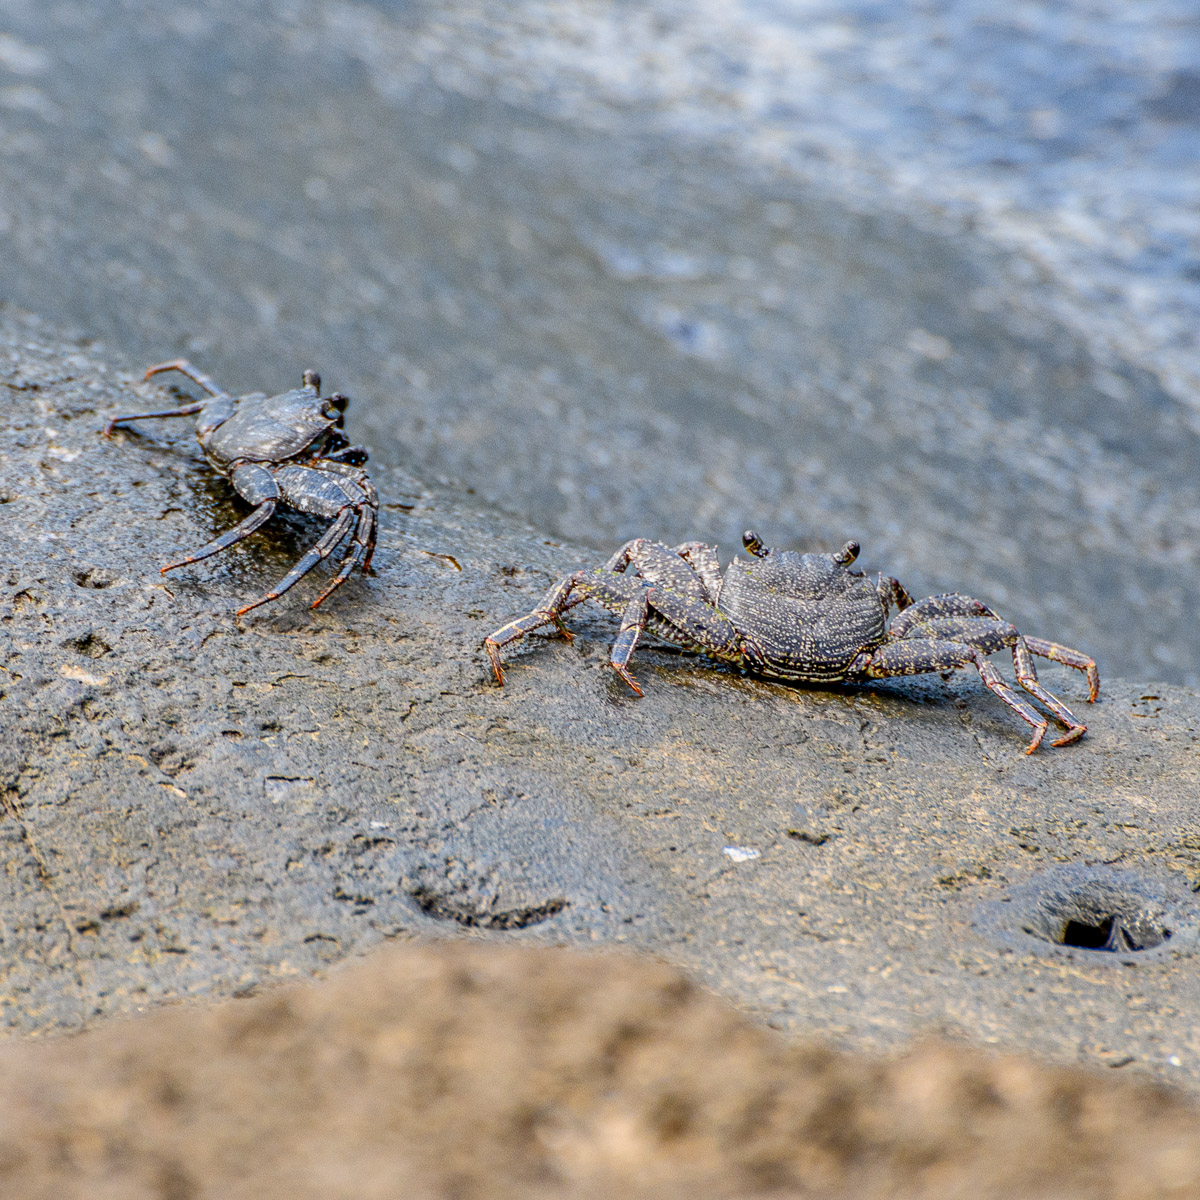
(922, 276)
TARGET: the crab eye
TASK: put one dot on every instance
(753, 544)
(339, 401)
(847, 554)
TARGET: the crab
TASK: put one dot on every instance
(801, 618)
(287, 449)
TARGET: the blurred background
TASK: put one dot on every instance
(922, 274)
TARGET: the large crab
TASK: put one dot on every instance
(805, 618)
(287, 449)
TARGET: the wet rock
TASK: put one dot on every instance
(195, 805)
(471, 1071)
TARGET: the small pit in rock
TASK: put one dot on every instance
(90, 645)
(460, 910)
(1097, 912)
(96, 577)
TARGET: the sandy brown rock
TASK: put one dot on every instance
(461, 1071)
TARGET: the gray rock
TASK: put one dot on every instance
(197, 806)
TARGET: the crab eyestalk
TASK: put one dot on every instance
(847, 554)
(312, 380)
(754, 544)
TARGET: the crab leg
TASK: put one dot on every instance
(661, 566)
(188, 410)
(351, 456)
(260, 516)
(702, 558)
(185, 368)
(359, 477)
(627, 554)
(549, 611)
(892, 591)
(323, 549)
(360, 545)
(934, 608)
(373, 526)
(918, 656)
(255, 484)
(1027, 678)
(1069, 658)
(996, 684)
(633, 621)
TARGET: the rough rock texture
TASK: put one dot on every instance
(676, 267)
(195, 805)
(471, 1072)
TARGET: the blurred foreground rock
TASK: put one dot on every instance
(477, 1073)
(194, 806)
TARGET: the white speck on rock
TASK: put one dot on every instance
(742, 853)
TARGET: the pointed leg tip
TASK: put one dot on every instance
(1072, 735)
(241, 612)
(327, 593)
(629, 679)
(1037, 738)
(494, 658)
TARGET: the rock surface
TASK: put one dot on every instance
(480, 1073)
(196, 805)
(676, 268)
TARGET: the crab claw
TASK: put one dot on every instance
(847, 554)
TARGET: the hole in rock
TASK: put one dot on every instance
(1105, 914)
(1111, 933)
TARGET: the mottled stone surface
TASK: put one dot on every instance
(196, 806)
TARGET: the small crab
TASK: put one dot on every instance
(287, 449)
(803, 618)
